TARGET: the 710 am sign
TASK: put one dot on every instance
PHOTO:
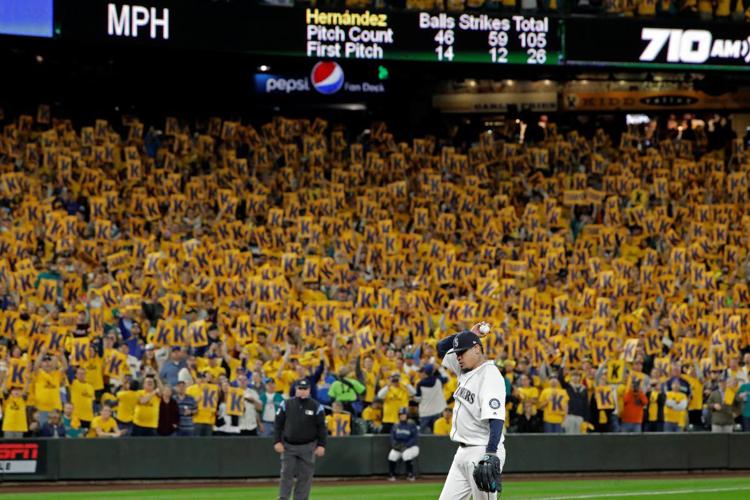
(658, 43)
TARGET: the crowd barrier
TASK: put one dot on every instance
(224, 457)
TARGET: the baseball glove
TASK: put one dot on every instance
(487, 474)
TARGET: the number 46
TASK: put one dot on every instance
(444, 37)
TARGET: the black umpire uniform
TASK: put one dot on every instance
(300, 428)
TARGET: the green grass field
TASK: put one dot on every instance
(690, 487)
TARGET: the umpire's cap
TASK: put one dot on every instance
(464, 341)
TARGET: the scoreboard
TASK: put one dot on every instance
(314, 32)
(443, 38)
(434, 37)
(26, 18)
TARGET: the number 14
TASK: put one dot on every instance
(444, 53)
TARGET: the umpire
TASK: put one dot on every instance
(300, 436)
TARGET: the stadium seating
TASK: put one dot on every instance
(229, 260)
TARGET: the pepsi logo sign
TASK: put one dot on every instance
(327, 77)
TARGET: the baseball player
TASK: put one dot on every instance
(477, 417)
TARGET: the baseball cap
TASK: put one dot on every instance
(403, 411)
(303, 384)
(464, 341)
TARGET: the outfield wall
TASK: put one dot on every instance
(224, 457)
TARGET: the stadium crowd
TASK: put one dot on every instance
(183, 281)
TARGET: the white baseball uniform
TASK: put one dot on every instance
(480, 396)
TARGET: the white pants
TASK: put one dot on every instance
(460, 485)
(572, 424)
(722, 428)
(408, 454)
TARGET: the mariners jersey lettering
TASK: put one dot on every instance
(480, 396)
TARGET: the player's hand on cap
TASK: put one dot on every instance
(481, 329)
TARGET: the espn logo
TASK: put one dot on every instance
(18, 458)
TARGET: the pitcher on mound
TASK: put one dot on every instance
(478, 417)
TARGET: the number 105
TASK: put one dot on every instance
(533, 40)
